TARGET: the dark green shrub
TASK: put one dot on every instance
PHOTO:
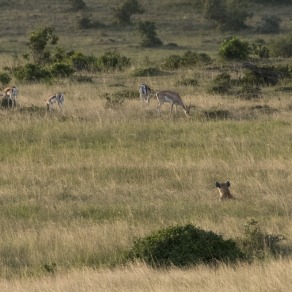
(268, 24)
(148, 33)
(184, 246)
(144, 72)
(40, 43)
(188, 59)
(234, 48)
(61, 70)
(32, 72)
(172, 62)
(81, 62)
(5, 78)
(112, 60)
(85, 22)
(124, 12)
(269, 75)
(257, 243)
(221, 84)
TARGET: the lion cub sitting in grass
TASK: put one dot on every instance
(224, 192)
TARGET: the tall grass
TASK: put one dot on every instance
(77, 187)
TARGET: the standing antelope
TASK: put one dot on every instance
(11, 94)
(145, 92)
(56, 98)
(174, 99)
(224, 192)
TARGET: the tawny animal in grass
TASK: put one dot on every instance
(145, 93)
(11, 94)
(174, 99)
(56, 98)
(224, 192)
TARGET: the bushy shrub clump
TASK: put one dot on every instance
(234, 48)
(148, 71)
(257, 243)
(188, 59)
(184, 246)
(113, 60)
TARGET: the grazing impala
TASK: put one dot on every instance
(224, 192)
(56, 98)
(174, 99)
(11, 94)
(145, 92)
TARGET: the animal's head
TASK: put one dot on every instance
(224, 192)
(187, 109)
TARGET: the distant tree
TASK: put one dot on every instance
(40, 42)
(147, 30)
(124, 12)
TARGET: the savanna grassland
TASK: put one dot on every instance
(78, 186)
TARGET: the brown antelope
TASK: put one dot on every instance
(56, 98)
(224, 192)
(11, 94)
(174, 99)
(145, 93)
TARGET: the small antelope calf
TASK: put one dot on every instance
(56, 98)
(145, 93)
(224, 192)
(174, 99)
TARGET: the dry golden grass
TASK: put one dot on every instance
(268, 276)
(77, 187)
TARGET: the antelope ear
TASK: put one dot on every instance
(217, 184)
(227, 183)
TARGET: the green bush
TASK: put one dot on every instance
(85, 22)
(81, 62)
(184, 246)
(188, 59)
(32, 72)
(257, 243)
(112, 60)
(234, 48)
(144, 72)
(61, 70)
(5, 78)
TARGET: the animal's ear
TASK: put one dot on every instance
(227, 183)
(217, 184)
